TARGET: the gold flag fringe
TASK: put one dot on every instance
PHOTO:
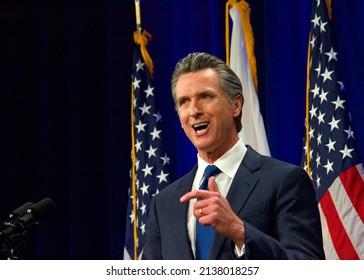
(307, 136)
(329, 8)
(143, 39)
(244, 10)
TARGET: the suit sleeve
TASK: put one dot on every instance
(296, 230)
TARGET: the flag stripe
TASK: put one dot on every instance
(347, 213)
(354, 186)
(328, 245)
(340, 239)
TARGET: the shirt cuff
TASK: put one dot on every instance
(239, 252)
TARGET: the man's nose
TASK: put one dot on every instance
(195, 109)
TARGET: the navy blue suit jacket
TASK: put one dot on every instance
(275, 200)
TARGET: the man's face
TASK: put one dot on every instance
(206, 115)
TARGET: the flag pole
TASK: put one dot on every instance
(133, 171)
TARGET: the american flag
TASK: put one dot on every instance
(330, 149)
(150, 162)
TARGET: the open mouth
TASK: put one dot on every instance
(200, 127)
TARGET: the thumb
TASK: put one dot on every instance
(212, 185)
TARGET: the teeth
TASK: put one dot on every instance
(200, 126)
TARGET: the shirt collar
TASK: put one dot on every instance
(228, 163)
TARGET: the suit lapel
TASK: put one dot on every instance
(180, 214)
(243, 184)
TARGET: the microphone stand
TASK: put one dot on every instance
(11, 248)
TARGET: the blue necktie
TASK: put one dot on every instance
(204, 234)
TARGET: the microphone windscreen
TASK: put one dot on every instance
(43, 208)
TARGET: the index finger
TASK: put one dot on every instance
(201, 194)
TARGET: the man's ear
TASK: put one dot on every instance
(238, 104)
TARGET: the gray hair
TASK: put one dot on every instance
(228, 80)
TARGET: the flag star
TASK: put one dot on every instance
(147, 170)
(137, 163)
(151, 152)
(142, 228)
(321, 117)
(165, 159)
(149, 91)
(321, 47)
(328, 167)
(136, 83)
(141, 126)
(318, 161)
(155, 133)
(318, 182)
(323, 95)
(305, 148)
(138, 145)
(139, 65)
(332, 54)
(318, 2)
(143, 208)
(322, 26)
(145, 109)
(144, 189)
(334, 123)
(162, 177)
(312, 42)
(315, 91)
(319, 139)
(158, 117)
(313, 111)
(350, 132)
(327, 74)
(330, 145)
(316, 21)
(338, 103)
(305, 166)
(318, 69)
(346, 151)
(131, 216)
(312, 130)
(342, 86)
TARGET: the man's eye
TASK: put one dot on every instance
(206, 97)
(182, 102)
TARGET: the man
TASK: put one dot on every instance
(258, 207)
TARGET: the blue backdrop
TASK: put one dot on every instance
(65, 73)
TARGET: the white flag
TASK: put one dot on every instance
(253, 131)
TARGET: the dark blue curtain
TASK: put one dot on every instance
(65, 69)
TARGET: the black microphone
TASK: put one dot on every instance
(20, 212)
(15, 216)
(25, 216)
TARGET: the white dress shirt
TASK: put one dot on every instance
(228, 164)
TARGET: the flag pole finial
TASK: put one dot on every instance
(137, 16)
